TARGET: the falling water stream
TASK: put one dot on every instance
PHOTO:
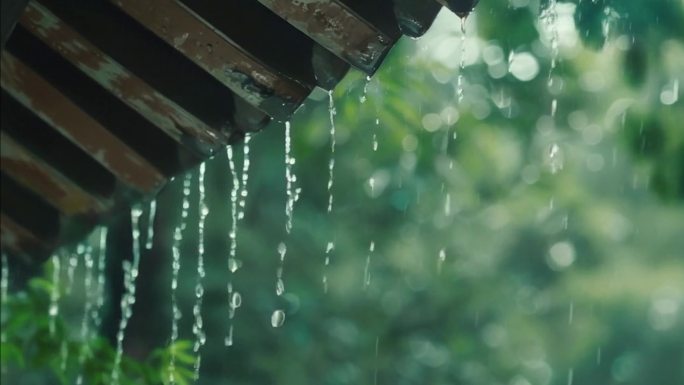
(53, 310)
(331, 173)
(239, 187)
(245, 176)
(149, 242)
(89, 302)
(367, 268)
(4, 286)
(175, 310)
(130, 273)
(461, 66)
(198, 326)
(100, 288)
(292, 194)
(233, 263)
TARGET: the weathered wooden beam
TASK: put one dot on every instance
(119, 81)
(336, 27)
(63, 115)
(214, 52)
(34, 174)
(19, 240)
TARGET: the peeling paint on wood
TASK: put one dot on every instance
(336, 27)
(66, 117)
(153, 106)
(34, 174)
(245, 75)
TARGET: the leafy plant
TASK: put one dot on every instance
(30, 343)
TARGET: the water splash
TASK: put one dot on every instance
(130, 272)
(87, 307)
(176, 313)
(150, 225)
(461, 65)
(364, 95)
(367, 268)
(198, 325)
(53, 310)
(100, 288)
(245, 176)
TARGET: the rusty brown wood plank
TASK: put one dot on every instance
(133, 91)
(17, 162)
(336, 27)
(217, 54)
(19, 240)
(63, 115)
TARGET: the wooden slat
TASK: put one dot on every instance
(336, 27)
(63, 115)
(35, 175)
(133, 91)
(245, 75)
(18, 239)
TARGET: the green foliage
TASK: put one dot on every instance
(31, 346)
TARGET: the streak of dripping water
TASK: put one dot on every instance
(176, 313)
(245, 176)
(367, 270)
(198, 325)
(130, 272)
(461, 66)
(375, 134)
(53, 310)
(149, 242)
(364, 96)
(99, 291)
(187, 181)
(278, 316)
(331, 162)
(571, 313)
(331, 173)
(571, 374)
(280, 284)
(72, 264)
(4, 286)
(290, 179)
(377, 350)
(447, 204)
(328, 249)
(233, 263)
(598, 356)
(440, 260)
(89, 302)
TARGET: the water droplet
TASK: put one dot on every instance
(277, 318)
(280, 287)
